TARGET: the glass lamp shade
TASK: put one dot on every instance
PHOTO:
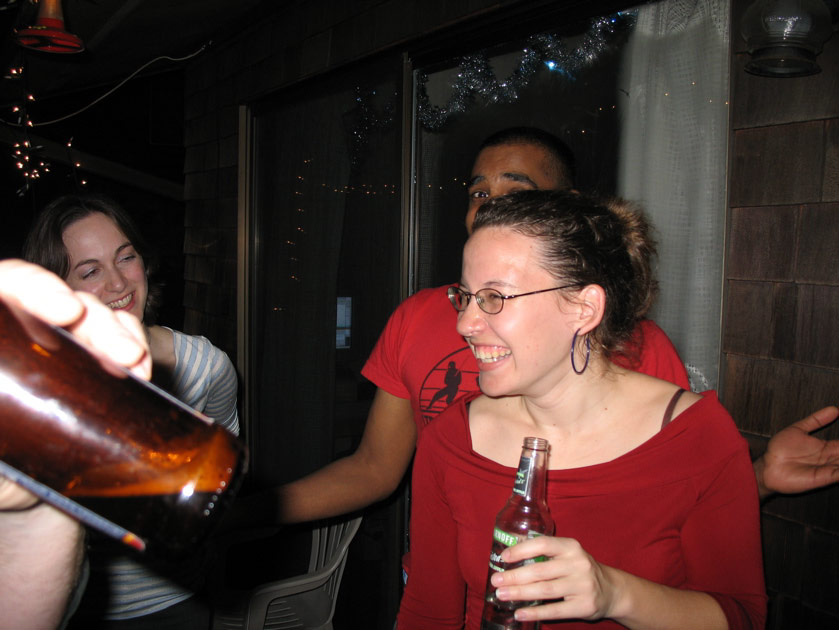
(784, 37)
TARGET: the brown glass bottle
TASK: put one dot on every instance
(110, 449)
(524, 516)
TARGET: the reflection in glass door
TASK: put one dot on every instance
(325, 221)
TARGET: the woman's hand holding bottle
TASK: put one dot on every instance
(571, 583)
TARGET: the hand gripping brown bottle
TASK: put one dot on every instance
(525, 515)
(109, 449)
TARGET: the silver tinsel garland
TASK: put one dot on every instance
(476, 78)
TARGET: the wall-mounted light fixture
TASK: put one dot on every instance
(784, 37)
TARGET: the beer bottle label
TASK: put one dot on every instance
(520, 485)
(500, 541)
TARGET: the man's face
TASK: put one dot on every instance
(508, 168)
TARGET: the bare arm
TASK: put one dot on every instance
(645, 604)
(796, 461)
(40, 554)
(370, 474)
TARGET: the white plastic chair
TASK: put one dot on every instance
(305, 602)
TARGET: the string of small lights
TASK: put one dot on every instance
(25, 153)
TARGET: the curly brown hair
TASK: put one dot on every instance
(585, 240)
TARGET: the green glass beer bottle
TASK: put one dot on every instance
(524, 516)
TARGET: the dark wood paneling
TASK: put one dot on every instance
(209, 242)
(749, 318)
(200, 185)
(228, 151)
(201, 157)
(786, 613)
(765, 395)
(784, 311)
(800, 574)
(228, 180)
(819, 508)
(820, 583)
(227, 215)
(830, 191)
(201, 128)
(783, 547)
(212, 271)
(818, 313)
(201, 213)
(778, 165)
(762, 243)
(217, 329)
(208, 298)
(818, 250)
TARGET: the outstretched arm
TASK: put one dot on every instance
(40, 547)
(370, 474)
(796, 461)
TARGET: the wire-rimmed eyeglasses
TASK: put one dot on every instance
(489, 301)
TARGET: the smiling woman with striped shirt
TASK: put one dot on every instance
(94, 246)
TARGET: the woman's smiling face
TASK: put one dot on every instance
(104, 262)
(526, 347)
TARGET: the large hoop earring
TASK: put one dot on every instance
(574, 347)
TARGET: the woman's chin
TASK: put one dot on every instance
(492, 386)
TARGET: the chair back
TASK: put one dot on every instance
(303, 602)
(329, 553)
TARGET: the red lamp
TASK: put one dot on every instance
(48, 34)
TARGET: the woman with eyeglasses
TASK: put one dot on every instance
(650, 486)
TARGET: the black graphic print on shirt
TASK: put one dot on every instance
(453, 376)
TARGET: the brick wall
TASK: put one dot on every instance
(781, 358)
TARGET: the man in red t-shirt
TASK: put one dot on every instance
(420, 355)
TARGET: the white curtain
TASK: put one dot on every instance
(674, 139)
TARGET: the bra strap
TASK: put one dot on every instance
(668, 413)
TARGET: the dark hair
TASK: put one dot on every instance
(45, 246)
(584, 240)
(562, 156)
